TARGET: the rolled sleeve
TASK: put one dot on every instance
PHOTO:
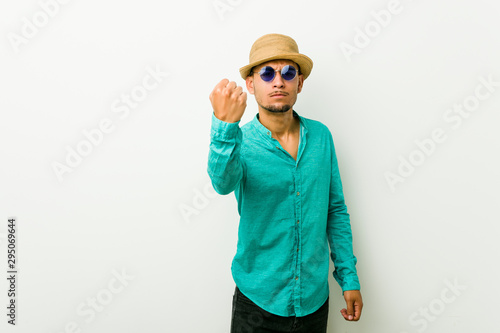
(225, 167)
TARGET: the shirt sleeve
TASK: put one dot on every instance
(339, 231)
(225, 166)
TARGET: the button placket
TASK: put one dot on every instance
(298, 239)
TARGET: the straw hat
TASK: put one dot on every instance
(276, 46)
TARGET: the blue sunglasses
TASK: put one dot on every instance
(288, 73)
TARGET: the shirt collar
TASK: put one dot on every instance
(267, 133)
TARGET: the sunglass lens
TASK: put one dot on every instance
(288, 72)
(267, 73)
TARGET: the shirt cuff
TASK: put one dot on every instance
(222, 129)
(350, 283)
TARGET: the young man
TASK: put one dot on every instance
(283, 170)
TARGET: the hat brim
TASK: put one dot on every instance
(302, 60)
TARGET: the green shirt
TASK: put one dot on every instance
(290, 210)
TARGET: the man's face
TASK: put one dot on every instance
(278, 95)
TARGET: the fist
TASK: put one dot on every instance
(228, 101)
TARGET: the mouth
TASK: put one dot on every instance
(278, 95)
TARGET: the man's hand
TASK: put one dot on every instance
(354, 305)
(228, 101)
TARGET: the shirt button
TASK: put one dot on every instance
(296, 278)
(297, 221)
(298, 193)
(297, 249)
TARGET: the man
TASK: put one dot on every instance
(283, 170)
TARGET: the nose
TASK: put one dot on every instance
(278, 80)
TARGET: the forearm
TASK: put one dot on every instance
(344, 260)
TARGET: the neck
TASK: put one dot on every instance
(281, 124)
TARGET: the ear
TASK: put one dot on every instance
(249, 82)
(301, 83)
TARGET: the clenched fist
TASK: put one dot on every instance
(228, 101)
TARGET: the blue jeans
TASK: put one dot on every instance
(248, 317)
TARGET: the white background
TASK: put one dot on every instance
(141, 204)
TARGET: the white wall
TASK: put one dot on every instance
(119, 210)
